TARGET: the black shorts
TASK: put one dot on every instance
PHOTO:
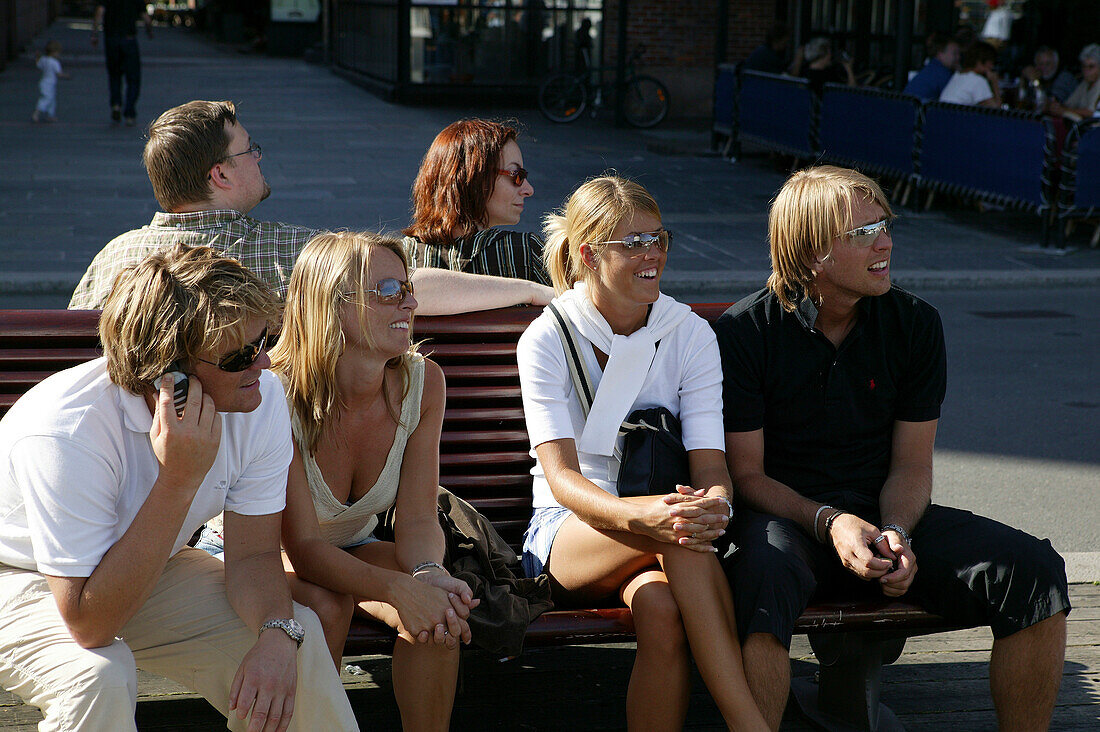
(971, 570)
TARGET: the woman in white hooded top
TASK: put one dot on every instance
(605, 253)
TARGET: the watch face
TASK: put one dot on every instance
(295, 630)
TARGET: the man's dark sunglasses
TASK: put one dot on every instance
(242, 358)
(518, 176)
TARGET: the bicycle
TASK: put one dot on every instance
(564, 96)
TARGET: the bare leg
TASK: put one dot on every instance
(660, 683)
(703, 594)
(1025, 670)
(587, 562)
(333, 610)
(424, 674)
(768, 670)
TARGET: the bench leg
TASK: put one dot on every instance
(846, 696)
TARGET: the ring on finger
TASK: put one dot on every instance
(880, 537)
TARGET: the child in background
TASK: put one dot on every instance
(47, 87)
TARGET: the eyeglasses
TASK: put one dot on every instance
(638, 244)
(255, 151)
(388, 291)
(865, 236)
(243, 357)
(518, 176)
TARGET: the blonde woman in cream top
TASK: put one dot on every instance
(367, 412)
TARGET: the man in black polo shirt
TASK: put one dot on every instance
(833, 385)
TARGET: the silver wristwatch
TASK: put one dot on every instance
(290, 626)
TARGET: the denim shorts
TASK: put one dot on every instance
(539, 537)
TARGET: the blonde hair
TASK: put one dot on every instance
(811, 211)
(311, 342)
(590, 214)
(174, 305)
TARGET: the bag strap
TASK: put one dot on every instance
(582, 382)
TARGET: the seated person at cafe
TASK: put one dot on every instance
(943, 57)
(814, 62)
(833, 381)
(1056, 83)
(976, 84)
(1083, 102)
(770, 55)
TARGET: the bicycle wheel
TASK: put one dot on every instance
(646, 102)
(562, 98)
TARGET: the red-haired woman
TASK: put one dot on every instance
(471, 181)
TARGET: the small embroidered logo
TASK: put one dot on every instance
(871, 385)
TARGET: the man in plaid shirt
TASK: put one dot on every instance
(205, 171)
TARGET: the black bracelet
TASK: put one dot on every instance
(901, 532)
(829, 521)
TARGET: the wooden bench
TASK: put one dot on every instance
(484, 458)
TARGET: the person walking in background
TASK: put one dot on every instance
(117, 19)
(50, 66)
(471, 181)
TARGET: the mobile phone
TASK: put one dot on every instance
(179, 392)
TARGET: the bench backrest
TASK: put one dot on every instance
(483, 452)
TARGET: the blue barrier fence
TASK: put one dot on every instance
(993, 154)
(869, 129)
(778, 112)
(1003, 156)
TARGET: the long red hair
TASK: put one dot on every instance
(456, 178)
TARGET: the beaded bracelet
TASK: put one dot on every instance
(427, 565)
(817, 534)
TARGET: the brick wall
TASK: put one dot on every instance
(679, 38)
(681, 33)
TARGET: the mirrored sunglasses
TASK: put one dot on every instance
(388, 291)
(242, 358)
(518, 176)
(865, 236)
(641, 242)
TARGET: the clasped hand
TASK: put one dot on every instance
(435, 608)
(854, 542)
(689, 518)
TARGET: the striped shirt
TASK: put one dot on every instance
(267, 248)
(489, 252)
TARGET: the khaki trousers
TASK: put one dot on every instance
(186, 631)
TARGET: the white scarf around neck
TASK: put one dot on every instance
(628, 362)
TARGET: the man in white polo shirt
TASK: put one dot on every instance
(103, 481)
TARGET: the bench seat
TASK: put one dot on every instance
(484, 458)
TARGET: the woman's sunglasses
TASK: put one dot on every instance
(640, 243)
(243, 357)
(388, 291)
(518, 176)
